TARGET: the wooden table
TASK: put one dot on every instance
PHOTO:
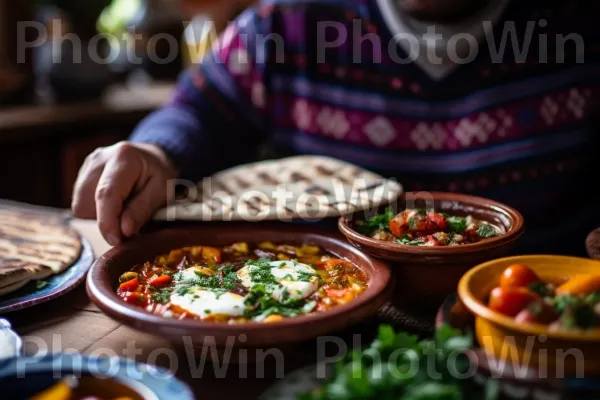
(73, 323)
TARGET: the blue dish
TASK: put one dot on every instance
(23, 377)
(55, 286)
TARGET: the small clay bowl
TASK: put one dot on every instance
(533, 345)
(104, 274)
(426, 275)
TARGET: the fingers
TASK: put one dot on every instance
(115, 185)
(143, 205)
(83, 203)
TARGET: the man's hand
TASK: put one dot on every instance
(122, 186)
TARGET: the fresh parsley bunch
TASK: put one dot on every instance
(399, 366)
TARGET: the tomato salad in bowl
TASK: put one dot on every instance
(573, 304)
(433, 234)
(419, 227)
(242, 282)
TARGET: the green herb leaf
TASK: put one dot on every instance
(486, 231)
(540, 288)
(562, 302)
(412, 223)
(492, 389)
(39, 285)
(456, 224)
(161, 296)
(434, 391)
(378, 222)
(406, 239)
(593, 298)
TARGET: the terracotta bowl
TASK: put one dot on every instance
(104, 274)
(531, 344)
(426, 275)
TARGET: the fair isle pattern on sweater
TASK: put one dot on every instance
(519, 132)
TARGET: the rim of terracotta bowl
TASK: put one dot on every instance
(481, 310)
(514, 232)
(102, 290)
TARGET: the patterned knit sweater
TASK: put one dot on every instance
(518, 126)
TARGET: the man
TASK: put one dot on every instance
(493, 98)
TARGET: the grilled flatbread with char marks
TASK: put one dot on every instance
(33, 246)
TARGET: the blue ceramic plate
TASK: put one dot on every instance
(54, 286)
(23, 377)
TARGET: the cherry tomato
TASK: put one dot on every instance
(437, 219)
(538, 312)
(421, 225)
(511, 300)
(398, 225)
(518, 276)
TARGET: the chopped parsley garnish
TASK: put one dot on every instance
(457, 224)
(161, 296)
(540, 288)
(206, 311)
(562, 302)
(421, 211)
(222, 281)
(260, 272)
(406, 240)
(593, 298)
(305, 276)
(578, 316)
(378, 222)
(412, 223)
(486, 231)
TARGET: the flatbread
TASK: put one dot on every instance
(302, 187)
(12, 271)
(13, 287)
(33, 245)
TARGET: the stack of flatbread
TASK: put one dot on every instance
(302, 187)
(33, 246)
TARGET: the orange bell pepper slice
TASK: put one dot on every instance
(162, 280)
(338, 293)
(580, 285)
(129, 286)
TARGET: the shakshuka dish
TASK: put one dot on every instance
(240, 283)
(418, 227)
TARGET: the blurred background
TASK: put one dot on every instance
(76, 75)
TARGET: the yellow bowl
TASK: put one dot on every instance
(560, 354)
